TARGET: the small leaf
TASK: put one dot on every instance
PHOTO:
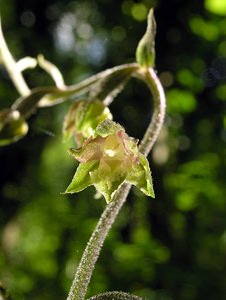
(145, 52)
(81, 179)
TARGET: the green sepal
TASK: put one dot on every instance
(81, 179)
(107, 184)
(145, 52)
(140, 176)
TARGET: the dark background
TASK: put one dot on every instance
(171, 247)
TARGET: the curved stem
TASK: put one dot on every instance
(12, 68)
(93, 248)
(26, 105)
(151, 79)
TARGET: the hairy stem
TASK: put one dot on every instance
(115, 296)
(151, 79)
(92, 251)
(93, 248)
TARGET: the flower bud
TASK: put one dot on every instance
(83, 118)
(12, 126)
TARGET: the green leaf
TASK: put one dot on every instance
(140, 176)
(81, 179)
(145, 52)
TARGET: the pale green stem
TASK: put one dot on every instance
(85, 269)
(11, 67)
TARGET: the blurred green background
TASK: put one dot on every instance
(171, 247)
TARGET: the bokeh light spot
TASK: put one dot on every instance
(221, 92)
(28, 18)
(139, 12)
(166, 78)
(180, 101)
(126, 7)
(207, 30)
(118, 33)
(216, 6)
(185, 201)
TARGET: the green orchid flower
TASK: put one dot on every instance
(108, 159)
(83, 118)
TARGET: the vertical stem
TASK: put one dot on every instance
(92, 251)
(11, 66)
(93, 248)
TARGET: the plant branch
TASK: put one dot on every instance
(11, 67)
(93, 248)
(48, 96)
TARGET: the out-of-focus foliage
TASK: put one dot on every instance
(173, 247)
